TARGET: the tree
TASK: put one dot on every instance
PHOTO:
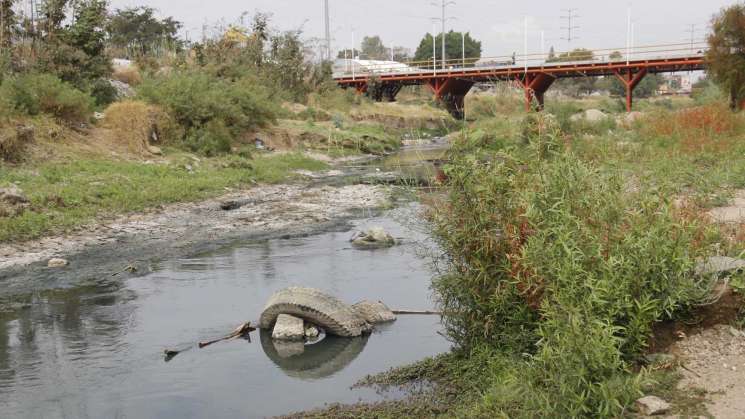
(453, 47)
(53, 14)
(76, 53)
(287, 59)
(551, 55)
(87, 36)
(616, 56)
(579, 54)
(138, 30)
(648, 87)
(578, 86)
(726, 54)
(372, 48)
(7, 23)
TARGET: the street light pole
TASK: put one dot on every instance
(628, 35)
(434, 48)
(463, 47)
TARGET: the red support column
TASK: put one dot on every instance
(630, 81)
(535, 86)
(451, 92)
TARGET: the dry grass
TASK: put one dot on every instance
(710, 128)
(14, 140)
(129, 75)
(138, 125)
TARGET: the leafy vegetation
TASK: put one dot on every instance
(32, 94)
(211, 111)
(453, 47)
(726, 62)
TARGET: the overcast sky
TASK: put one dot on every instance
(497, 23)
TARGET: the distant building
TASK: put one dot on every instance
(676, 84)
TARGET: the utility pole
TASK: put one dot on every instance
(443, 4)
(693, 30)
(328, 29)
(571, 17)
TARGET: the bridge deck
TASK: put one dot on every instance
(556, 70)
(451, 84)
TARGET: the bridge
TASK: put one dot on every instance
(451, 80)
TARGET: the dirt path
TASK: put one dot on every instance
(137, 241)
(715, 361)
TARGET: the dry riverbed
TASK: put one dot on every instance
(129, 244)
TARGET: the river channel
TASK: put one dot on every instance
(96, 351)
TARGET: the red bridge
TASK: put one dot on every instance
(453, 79)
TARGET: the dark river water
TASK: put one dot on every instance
(97, 351)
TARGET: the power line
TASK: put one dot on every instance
(570, 16)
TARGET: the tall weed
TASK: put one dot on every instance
(557, 259)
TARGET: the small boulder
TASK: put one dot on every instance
(652, 405)
(311, 331)
(374, 238)
(374, 312)
(57, 263)
(288, 328)
(590, 115)
(13, 196)
(12, 202)
(154, 150)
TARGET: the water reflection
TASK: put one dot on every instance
(309, 362)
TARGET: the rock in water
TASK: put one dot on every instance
(288, 328)
(374, 238)
(311, 331)
(652, 405)
(57, 263)
(374, 312)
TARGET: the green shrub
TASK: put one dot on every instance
(103, 92)
(34, 94)
(208, 107)
(556, 260)
(212, 139)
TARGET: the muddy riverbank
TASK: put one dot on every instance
(130, 245)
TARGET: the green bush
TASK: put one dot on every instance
(556, 261)
(103, 92)
(34, 94)
(212, 139)
(208, 107)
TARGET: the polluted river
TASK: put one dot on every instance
(96, 349)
